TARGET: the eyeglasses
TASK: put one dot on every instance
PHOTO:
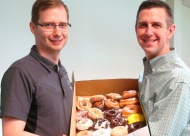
(52, 26)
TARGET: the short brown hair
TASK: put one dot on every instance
(148, 4)
(45, 4)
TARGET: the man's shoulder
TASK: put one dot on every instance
(25, 61)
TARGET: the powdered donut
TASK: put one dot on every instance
(84, 133)
(84, 124)
(81, 115)
(101, 132)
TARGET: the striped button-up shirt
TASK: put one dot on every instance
(164, 92)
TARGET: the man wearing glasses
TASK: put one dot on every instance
(36, 92)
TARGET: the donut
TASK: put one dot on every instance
(84, 124)
(110, 103)
(111, 113)
(130, 109)
(101, 132)
(135, 118)
(99, 104)
(114, 96)
(81, 115)
(101, 123)
(83, 104)
(128, 101)
(117, 121)
(84, 133)
(129, 94)
(119, 131)
(135, 126)
(96, 98)
(94, 113)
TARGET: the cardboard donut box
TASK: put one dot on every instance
(87, 88)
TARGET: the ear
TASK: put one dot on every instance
(171, 31)
(32, 27)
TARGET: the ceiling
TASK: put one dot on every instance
(186, 3)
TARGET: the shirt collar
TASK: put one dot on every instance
(159, 62)
(49, 65)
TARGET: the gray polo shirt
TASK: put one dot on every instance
(37, 91)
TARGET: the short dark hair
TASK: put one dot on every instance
(40, 5)
(148, 4)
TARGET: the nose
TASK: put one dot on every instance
(56, 31)
(149, 31)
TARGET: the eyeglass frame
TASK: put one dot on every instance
(54, 25)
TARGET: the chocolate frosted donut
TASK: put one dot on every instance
(117, 121)
(135, 126)
(112, 113)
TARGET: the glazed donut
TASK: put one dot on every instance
(84, 124)
(83, 104)
(81, 115)
(101, 132)
(84, 133)
(114, 96)
(94, 113)
(128, 101)
(99, 104)
(101, 123)
(135, 126)
(119, 131)
(117, 121)
(110, 114)
(130, 109)
(96, 98)
(110, 103)
(129, 94)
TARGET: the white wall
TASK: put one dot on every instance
(102, 41)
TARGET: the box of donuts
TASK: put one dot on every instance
(107, 107)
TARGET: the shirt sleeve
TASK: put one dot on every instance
(15, 94)
(171, 114)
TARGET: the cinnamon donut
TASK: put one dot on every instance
(99, 104)
(129, 94)
(96, 98)
(110, 103)
(114, 96)
(94, 113)
(128, 101)
(83, 104)
(130, 109)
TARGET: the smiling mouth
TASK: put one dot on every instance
(56, 40)
(148, 41)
